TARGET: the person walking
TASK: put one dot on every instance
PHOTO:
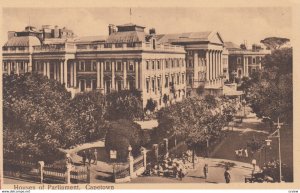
(205, 171)
(95, 156)
(253, 164)
(84, 157)
(227, 175)
(89, 156)
(246, 152)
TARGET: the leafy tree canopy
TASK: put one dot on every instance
(274, 43)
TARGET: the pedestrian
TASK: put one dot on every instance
(253, 163)
(89, 156)
(205, 170)
(95, 156)
(246, 153)
(227, 175)
(84, 157)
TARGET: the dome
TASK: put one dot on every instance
(25, 41)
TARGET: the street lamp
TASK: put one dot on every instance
(273, 135)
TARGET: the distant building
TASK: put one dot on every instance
(243, 62)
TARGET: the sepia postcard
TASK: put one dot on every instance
(103, 95)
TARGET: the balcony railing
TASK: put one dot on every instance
(9, 50)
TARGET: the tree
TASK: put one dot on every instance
(274, 43)
(151, 105)
(270, 92)
(90, 110)
(120, 135)
(200, 90)
(37, 119)
(124, 104)
(280, 60)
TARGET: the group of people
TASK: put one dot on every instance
(168, 168)
(87, 156)
(241, 153)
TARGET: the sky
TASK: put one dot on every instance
(236, 24)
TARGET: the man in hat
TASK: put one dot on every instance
(205, 170)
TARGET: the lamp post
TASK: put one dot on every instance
(278, 124)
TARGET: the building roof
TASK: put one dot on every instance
(126, 37)
(187, 37)
(231, 45)
(91, 39)
(21, 41)
(129, 25)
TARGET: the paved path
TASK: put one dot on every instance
(215, 173)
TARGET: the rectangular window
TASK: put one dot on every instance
(153, 65)
(147, 65)
(166, 82)
(239, 60)
(88, 83)
(158, 84)
(81, 66)
(130, 67)
(88, 66)
(147, 85)
(119, 45)
(153, 85)
(253, 60)
(4, 66)
(177, 63)
(107, 66)
(119, 66)
(183, 79)
(158, 65)
(107, 45)
(167, 64)
(172, 63)
(178, 79)
(94, 66)
(249, 60)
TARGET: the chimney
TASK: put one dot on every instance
(10, 34)
(111, 29)
(152, 31)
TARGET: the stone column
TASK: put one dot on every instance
(130, 160)
(41, 164)
(54, 71)
(18, 72)
(9, 68)
(61, 72)
(166, 146)
(44, 68)
(68, 174)
(48, 69)
(75, 74)
(221, 63)
(66, 73)
(244, 67)
(102, 76)
(72, 74)
(25, 67)
(98, 74)
(137, 75)
(196, 66)
(215, 65)
(29, 65)
(144, 153)
(113, 86)
(211, 65)
(125, 75)
(247, 68)
(207, 65)
(155, 152)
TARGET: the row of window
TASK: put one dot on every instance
(88, 66)
(13, 66)
(169, 81)
(157, 65)
(251, 60)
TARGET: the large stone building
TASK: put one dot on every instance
(128, 58)
(205, 59)
(243, 62)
